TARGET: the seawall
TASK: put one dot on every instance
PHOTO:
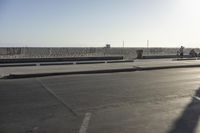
(128, 53)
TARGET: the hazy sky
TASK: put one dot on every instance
(74, 23)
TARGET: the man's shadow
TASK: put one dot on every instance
(188, 120)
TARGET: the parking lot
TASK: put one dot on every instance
(164, 101)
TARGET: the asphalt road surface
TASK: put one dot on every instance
(158, 101)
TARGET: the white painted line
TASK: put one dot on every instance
(85, 123)
(198, 98)
(57, 97)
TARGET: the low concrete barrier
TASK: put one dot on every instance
(29, 60)
(62, 63)
(163, 56)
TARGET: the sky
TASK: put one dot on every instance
(95, 23)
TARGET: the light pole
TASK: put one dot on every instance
(148, 47)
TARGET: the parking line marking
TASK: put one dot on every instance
(198, 98)
(85, 123)
(57, 97)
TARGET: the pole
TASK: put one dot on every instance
(148, 47)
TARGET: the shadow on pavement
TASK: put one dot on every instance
(188, 120)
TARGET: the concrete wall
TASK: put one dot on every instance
(128, 53)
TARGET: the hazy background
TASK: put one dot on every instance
(93, 23)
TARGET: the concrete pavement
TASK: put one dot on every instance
(161, 101)
(137, 65)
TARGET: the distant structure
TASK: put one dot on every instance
(108, 46)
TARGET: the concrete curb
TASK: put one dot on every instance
(34, 75)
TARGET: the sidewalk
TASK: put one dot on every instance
(137, 65)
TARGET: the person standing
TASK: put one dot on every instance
(181, 51)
